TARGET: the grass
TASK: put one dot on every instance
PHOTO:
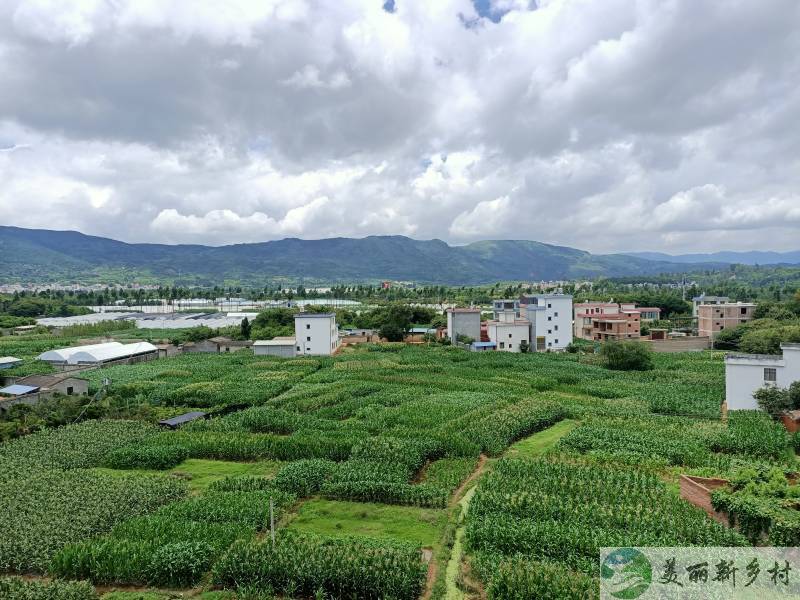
(539, 443)
(200, 472)
(203, 472)
(333, 517)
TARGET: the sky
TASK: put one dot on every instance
(606, 125)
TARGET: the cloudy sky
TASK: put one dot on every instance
(607, 125)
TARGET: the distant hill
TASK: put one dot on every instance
(37, 255)
(755, 257)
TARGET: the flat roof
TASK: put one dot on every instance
(18, 390)
(484, 344)
(7, 360)
(304, 315)
(463, 310)
(184, 418)
(275, 342)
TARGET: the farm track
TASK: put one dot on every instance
(457, 563)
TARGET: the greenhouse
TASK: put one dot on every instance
(98, 353)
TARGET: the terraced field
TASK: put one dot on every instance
(362, 459)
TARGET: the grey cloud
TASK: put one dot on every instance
(598, 125)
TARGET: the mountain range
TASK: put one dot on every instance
(45, 256)
(755, 257)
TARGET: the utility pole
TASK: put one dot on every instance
(272, 521)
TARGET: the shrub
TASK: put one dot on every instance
(181, 564)
(304, 477)
(627, 356)
(342, 567)
(147, 457)
(772, 400)
(14, 588)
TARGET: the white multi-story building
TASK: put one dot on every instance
(508, 332)
(746, 373)
(315, 334)
(550, 316)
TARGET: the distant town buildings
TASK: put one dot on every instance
(713, 318)
(746, 373)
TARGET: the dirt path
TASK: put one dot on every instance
(479, 469)
(433, 572)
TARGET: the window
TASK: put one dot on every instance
(744, 311)
(770, 375)
(555, 328)
(511, 346)
(308, 338)
(502, 344)
(308, 325)
(549, 343)
(549, 305)
(549, 331)
(509, 336)
(555, 313)
(298, 348)
(69, 391)
(549, 318)
(556, 341)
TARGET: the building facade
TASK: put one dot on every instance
(713, 318)
(281, 346)
(698, 301)
(609, 321)
(316, 334)
(550, 316)
(509, 333)
(746, 373)
(464, 321)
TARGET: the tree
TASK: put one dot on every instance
(627, 356)
(245, 328)
(392, 332)
(772, 400)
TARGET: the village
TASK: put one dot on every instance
(531, 323)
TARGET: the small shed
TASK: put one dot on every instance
(18, 390)
(482, 346)
(226, 344)
(283, 347)
(61, 383)
(175, 422)
(9, 362)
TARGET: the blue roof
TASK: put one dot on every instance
(483, 344)
(18, 390)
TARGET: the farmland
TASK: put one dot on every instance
(363, 457)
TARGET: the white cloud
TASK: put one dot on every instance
(618, 125)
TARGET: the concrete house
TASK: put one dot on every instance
(713, 318)
(508, 332)
(316, 334)
(746, 373)
(464, 321)
(697, 301)
(282, 346)
(550, 316)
